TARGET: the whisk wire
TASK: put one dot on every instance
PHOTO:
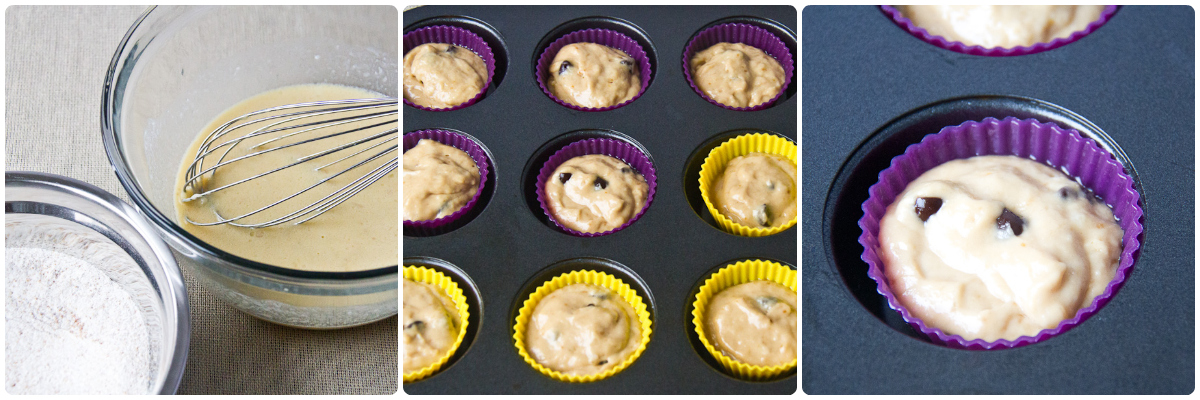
(310, 117)
(298, 162)
(205, 150)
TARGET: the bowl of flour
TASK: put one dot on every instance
(94, 301)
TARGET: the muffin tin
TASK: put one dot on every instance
(871, 89)
(510, 247)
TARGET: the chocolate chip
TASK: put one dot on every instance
(415, 324)
(1067, 193)
(591, 305)
(765, 302)
(562, 69)
(771, 185)
(627, 62)
(762, 215)
(564, 177)
(452, 49)
(927, 206)
(1009, 220)
(600, 183)
(602, 362)
(626, 170)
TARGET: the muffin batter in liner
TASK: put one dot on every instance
(626, 152)
(961, 47)
(714, 165)
(603, 37)
(732, 275)
(590, 277)
(459, 37)
(458, 141)
(749, 35)
(1062, 149)
(430, 276)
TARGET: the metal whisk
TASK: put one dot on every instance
(304, 123)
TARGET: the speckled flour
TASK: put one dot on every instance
(69, 329)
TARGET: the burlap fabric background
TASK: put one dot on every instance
(55, 60)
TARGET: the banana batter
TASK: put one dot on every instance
(361, 233)
(754, 322)
(595, 193)
(582, 329)
(438, 180)
(592, 75)
(996, 247)
(737, 75)
(1002, 26)
(431, 324)
(757, 190)
(440, 75)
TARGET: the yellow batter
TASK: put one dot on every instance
(595, 193)
(737, 75)
(361, 233)
(757, 190)
(431, 324)
(754, 322)
(438, 180)
(440, 75)
(592, 75)
(994, 247)
(1002, 26)
(582, 329)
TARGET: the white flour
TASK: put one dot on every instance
(69, 329)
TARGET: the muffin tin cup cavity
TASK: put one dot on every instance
(630, 154)
(731, 275)
(450, 287)
(605, 37)
(459, 37)
(472, 320)
(610, 281)
(719, 157)
(1059, 148)
(977, 50)
(749, 35)
(478, 153)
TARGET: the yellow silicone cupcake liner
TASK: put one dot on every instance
(736, 274)
(720, 156)
(433, 277)
(596, 278)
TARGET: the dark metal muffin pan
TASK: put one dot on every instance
(510, 247)
(871, 89)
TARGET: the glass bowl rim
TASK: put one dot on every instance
(173, 375)
(117, 159)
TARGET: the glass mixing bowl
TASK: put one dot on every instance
(40, 209)
(178, 67)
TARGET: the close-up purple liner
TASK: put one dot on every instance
(603, 37)
(458, 141)
(1066, 150)
(977, 50)
(746, 34)
(623, 151)
(459, 37)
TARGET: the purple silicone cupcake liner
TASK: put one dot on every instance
(1065, 150)
(459, 37)
(626, 152)
(749, 35)
(458, 141)
(977, 50)
(603, 37)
